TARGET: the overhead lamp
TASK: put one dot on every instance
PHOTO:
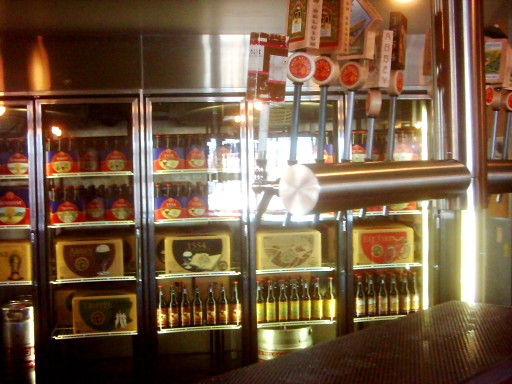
(56, 130)
(2, 110)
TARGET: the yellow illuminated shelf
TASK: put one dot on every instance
(93, 224)
(89, 174)
(376, 318)
(67, 333)
(197, 274)
(4, 227)
(295, 323)
(198, 220)
(198, 329)
(390, 265)
(15, 283)
(325, 268)
(94, 279)
(14, 177)
(194, 171)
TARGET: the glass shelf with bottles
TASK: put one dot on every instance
(326, 267)
(13, 177)
(208, 308)
(68, 333)
(197, 274)
(94, 279)
(90, 174)
(9, 227)
(385, 266)
(15, 283)
(295, 302)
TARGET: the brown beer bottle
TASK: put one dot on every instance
(404, 299)
(197, 308)
(282, 304)
(371, 298)
(415, 296)
(211, 308)
(271, 303)
(186, 312)
(223, 309)
(260, 304)
(383, 306)
(393, 297)
(305, 303)
(360, 298)
(294, 314)
(235, 308)
(161, 310)
(329, 301)
(316, 302)
(174, 310)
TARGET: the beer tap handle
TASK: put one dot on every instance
(493, 98)
(507, 104)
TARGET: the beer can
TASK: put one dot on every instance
(18, 341)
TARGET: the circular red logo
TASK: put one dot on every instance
(509, 101)
(300, 66)
(350, 75)
(400, 82)
(323, 70)
(488, 95)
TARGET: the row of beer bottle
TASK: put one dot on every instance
(383, 295)
(298, 304)
(184, 311)
(180, 200)
(406, 146)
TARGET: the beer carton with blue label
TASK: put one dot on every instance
(13, 157)
(15, 261)
(14, 206)
(61, 157)
(89, 258)
(105, 313)
(188, 253)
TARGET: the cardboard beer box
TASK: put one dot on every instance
(66, 212)
(198, 253)
(294, 248)
(64, 305)
(303, 24)
(89, 258)
(398, 24)
(334, 27)
(65, 161)
(266, 78)
(14, 206)
(109, 313)
(380, 68)
(383, 244)
(15, 261)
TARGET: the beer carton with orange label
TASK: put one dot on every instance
(89, 258)
(383, 244)
(14, 207)
(15, 261)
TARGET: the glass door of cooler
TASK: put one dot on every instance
(296, 258)
(91, 219)
(390, 244)
(18, 267)
(196, 242)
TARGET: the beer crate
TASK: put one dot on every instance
(15, 261)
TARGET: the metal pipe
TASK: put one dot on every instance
(504, 151)
(499, 176)
(347, 142)
(369, 138)
(391, 128)
(495, 117)
(333, 187)
(321, 124)
(294, 133)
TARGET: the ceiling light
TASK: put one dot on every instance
(2, 110)
(56, 131)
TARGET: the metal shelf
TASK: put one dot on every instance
(197, 329)
(195, 171)
(390, 265)
(197, 274)
(14, 177)
(16, 283)
(89, 174)
(295, 323)
(88, 224)
(198, 220)
(279, 217)
(94, 279)
(294, 270)
(376, 318)
(67, 333)
(25, 226)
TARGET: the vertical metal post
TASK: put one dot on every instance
(347, 141)
(321, 124)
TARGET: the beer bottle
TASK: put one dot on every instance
(270, 310)
(393, 297)
(161, 310)
(415, 296)
(371, 298)
(197, 308)
(48, 144)
(185, 309)
(55, 194)
(69, 193)
(174, 310)
(260, 304)
(223, 311)
(100, 191)
(211, 310)
(294, 302)
(329, 301)
(235, 308)
(360, 298)
(157, 142)
(404, 299)
(282, 304)
(305, 303)
(316, 302)
(169, 192)
(79, 193)
(383, 308)
(158, 190)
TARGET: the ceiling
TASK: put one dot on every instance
(188, 16)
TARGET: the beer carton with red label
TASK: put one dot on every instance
(119, 209)
(173, 207)
(303, 24)
(297, 248)
(198, 253)
(14, 207)
(383, 244)
(65, 161)
(115, 160)
(13, 163)
(334, 27)
(66, 212)
(89, 258)
(15, 261)
(108, 313)
(168, 153)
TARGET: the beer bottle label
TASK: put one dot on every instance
(196, 207)
(119, 209)
(393, 305)
(211, 318)
(185, 317)
(95, 210)
(330, 308)
(223, 314)
(360, 307)
(174, 319)
(196, 158)
(17, 164)
(294, 310)
(198, 317)
(317, 310)
(260, 312)
(62, 162)
(236, 313)
(168, 209)
(114, 161)
(89, 161)
(271, 312)
(161, 315)
(305, 310)
(283, 311)
(371, 306)
(167, 159)
(405, 304)
(415, 303)
(383, 306)
(68, 212)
